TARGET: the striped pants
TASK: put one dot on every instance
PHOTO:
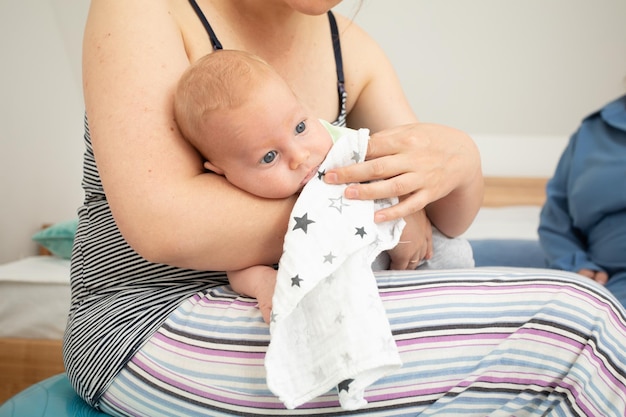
(480, 342)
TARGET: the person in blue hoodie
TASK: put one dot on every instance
(582, 225)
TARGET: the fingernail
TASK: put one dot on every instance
(352, 192)
(330, 178)
(379, 218)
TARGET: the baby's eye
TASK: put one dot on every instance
(301, 127)
(269, 157)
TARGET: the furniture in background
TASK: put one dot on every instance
(31, 364)
(505, 230)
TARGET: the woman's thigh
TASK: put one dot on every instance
(496, 342)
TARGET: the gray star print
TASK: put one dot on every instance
(295, 281)
(344, 385)
(338, 203)
(302, 222)
(329, 258)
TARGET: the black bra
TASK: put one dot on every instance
(343, 95)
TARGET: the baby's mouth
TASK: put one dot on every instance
(310, 175)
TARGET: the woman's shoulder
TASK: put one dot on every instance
(613, 114)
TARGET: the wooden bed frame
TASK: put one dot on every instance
(514, 191)
(24, 362)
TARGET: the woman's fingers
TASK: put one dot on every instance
(400, 184)
(389, 153)
(422, 163)
(383, 167)
(407, 206)
(601, 277)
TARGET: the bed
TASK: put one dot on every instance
(34, 291)
(34, 299)
(510, 208)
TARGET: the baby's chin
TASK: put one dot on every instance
(275, 195)
(285, 191)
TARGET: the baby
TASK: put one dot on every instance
(247, 123)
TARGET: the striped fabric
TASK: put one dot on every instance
(118, 298)
(146, 339)
(482, 342)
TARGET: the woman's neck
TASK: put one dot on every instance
(269, 28)
(297, 45)
(262, 21)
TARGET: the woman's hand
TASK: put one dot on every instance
(415, 243)
(600, 277)
(423, 163)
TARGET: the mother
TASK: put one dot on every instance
(153, 332)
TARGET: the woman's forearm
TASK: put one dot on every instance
(455, 212)
(227, 230)
(164, 204)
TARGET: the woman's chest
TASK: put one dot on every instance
(305, 60)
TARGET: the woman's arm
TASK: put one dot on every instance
(165, 206)
(433, 166)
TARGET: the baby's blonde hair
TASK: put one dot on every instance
(221, 80)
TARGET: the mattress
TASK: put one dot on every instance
(34, 297)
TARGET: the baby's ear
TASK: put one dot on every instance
(213, 168)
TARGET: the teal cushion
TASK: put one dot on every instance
(53, 397)
(58, 238)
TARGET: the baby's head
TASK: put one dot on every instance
(218, 82)
(245, 120)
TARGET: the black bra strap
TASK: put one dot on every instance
(336, 47)
(341, 87)
(214, 41)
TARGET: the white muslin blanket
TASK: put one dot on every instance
(328, 326)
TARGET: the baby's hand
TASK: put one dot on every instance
(415, 243)
(600, 277)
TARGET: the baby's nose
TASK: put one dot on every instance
(299, 156)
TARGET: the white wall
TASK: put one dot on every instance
(519, 75)
(40, 118)
(516, 74)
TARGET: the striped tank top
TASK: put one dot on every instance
(119, 299)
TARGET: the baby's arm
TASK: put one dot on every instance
(258, 282)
